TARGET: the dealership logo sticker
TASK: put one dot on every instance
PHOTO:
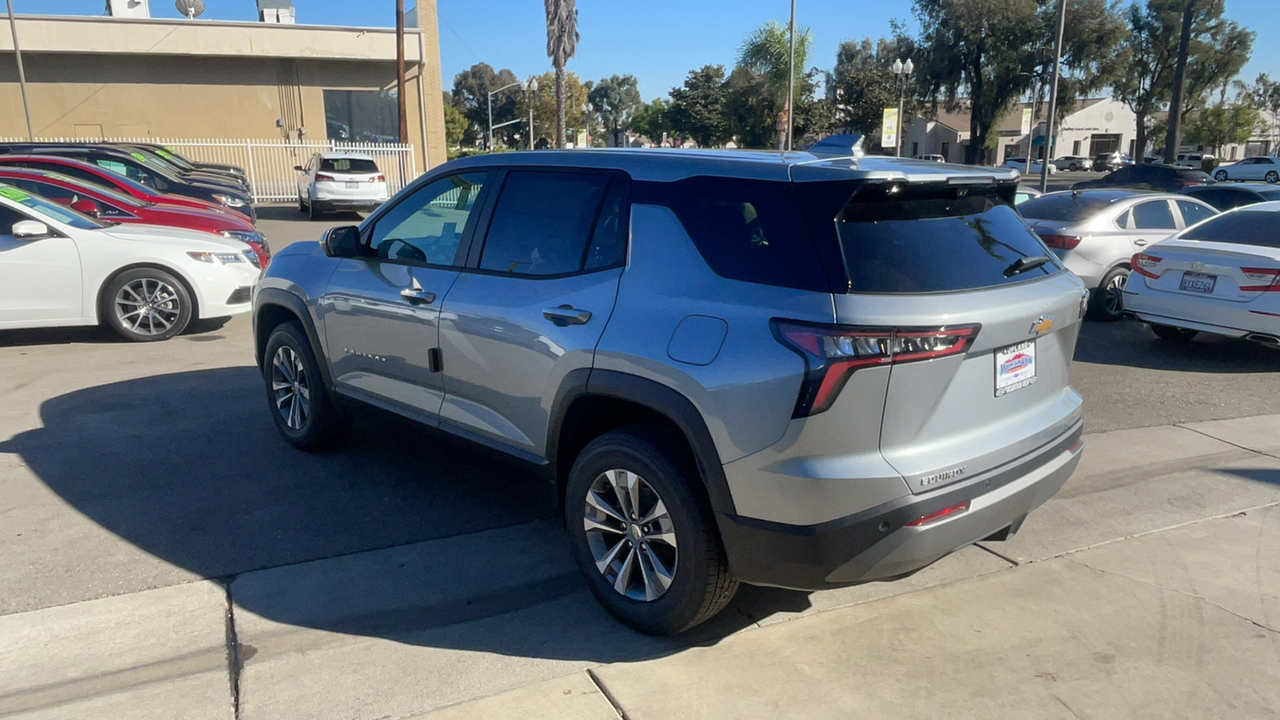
(1015, 368)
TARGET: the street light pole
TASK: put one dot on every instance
(531, 88)
(22, 76)
(1053, 97)
(491, 94)
(791, 72)
(903, 72)
(401, 108)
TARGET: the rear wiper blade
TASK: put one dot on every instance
(1024, 264)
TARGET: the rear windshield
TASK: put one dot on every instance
(935, 239)
(1064, 208)
(1196, 175)
(1247, 227)
(348, 165)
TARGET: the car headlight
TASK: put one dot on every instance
(228, 200)
(242, 235)
(217, 258)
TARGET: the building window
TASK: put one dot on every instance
(915, 149)
(361, 116)
(1075, 148)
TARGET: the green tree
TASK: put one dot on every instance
(455, 123)
(863, 85)
(652, 120)
(471, 89)
(1264, 94)
(1092, 54)
(562, 42)
(616, 100)
(751, 112)
(1149, 53)
(766, 52)
(545, 109)
(698, 108)
(1222, 125)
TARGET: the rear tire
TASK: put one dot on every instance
(1073, 167)
(1272, 177)
(313, 212)
(1174, 334)
(1220, 176)
(302, 205)
(660, 577)
(299, 403)
(1106, 302)
(146, 305)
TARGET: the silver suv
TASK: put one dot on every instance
(731, 367)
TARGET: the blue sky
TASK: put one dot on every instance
(658, 43)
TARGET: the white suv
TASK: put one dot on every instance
(340, 181)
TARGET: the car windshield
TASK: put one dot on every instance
(1240, 227)
(114, 195)
(348, 165)
(157, 166)
(1064, 207)
(50, 210)
(177, 160)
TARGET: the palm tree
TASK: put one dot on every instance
(765, 52)
(562, 41)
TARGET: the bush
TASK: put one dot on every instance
(1207, 164)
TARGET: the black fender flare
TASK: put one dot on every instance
(295, 305)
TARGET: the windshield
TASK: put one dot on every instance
(1240, 227)
(50, 210)
(157, 166)
(114, 195)
(1065, 207)
(177, 160)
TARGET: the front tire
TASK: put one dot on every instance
(300, 405)
(643, 534)
(1272, 177)
(1107, 300)
(147, 305)
(1220, 176)
(1174, 334)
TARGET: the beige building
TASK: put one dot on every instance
(96, 77)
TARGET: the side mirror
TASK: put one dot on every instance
(342, 242)
(86, 206)
(298, 168)
(30, 230)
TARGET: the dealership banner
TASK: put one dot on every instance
(889, 129)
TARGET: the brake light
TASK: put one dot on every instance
(832, 353)
(321, 177)
(1061, 242)
(379, 178)
(934, 517)
(1270, 276)
(1143, 264)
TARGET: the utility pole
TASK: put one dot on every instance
(400, 99)
(22, 76)
(791, 73)
(1179, 79)
(1053, 97)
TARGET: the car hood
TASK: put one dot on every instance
(215, 220)
(194, 239)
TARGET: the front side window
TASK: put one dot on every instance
(1153, 215)
(543, 222)
(428, 225)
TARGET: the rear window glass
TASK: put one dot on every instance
(1195, 176)
(1241, 227)
(351, 165)
(935, 239)
(1063, 208)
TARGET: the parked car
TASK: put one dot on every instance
(1024, 194)
(61, 268)
(116, 207)
(691, 362)
(1020, 164)
(931, 158)
(1096, 232)
(1254, 168)
(143, 170)
(1221, 276)
(1073, 163)
(185, 170)
(1153, 160)
(1164, 178)
(138, 160)
(1192, 160)
(1225, 196)
(340, 181)
(93, 174)
(170, 154)
(1106, 162)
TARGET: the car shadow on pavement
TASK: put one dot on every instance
(1132, 344)
(188, 468)
(199, 330)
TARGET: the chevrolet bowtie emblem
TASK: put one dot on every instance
(1042, 325)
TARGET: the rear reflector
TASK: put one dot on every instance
(934, 517)
(1061, 242)
(1143, 264)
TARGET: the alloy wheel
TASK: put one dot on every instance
(148, 306)
(290, 388)
(1113, 294)
(631, 535)
(1272, 177)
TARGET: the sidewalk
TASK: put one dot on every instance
(1149, 587)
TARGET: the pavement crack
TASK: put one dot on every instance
(1242, 447)
(1184, 593)
(235, 662)
(1006, 558)
(617, 707)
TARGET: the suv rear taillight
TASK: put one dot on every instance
(321, 177)
(1143, 264)
(833, 352)
(1270, 276)
(1061, 242)
(379, 178)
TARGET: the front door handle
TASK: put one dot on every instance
(417, 296)
(566, 315)
(1140, 243)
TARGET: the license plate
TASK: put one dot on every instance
(1015, 367)
(353, 185)
(1198, 282)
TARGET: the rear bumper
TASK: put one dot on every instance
(877, 544)
(1204, 314)
(338, 203)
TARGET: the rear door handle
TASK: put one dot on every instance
(417, 296)
(1140, 243)
(566, 315)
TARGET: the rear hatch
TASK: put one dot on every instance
(357, 177)
(931, 261)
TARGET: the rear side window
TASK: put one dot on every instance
(1066, 207)
(935, 239)
(1241, 227)
(1223, 198)
(1153, 215)
(1193, 213)
(543, 222)
(348, 165)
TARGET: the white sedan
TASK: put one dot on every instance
(1020, 164)
(59, 268)
(1221, 276)
(1254, 168)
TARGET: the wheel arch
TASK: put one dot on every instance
(273, 307)
(99, 305)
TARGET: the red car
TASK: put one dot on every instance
(95, 175)
(111, 205)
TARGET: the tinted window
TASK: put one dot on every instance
(349, 165)
(543, 222)
(9, 216)
(1194, 176)
(1193, 213)
(1065, 207)
(47, 209)
(1242, 227)
(1270, 194)
(934, 239)
(749, 230)
(1153, 215)
(609, 240)
(45, 190)
(1225, 199)
(428, 225)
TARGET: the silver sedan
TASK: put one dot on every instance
(1096, 232)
